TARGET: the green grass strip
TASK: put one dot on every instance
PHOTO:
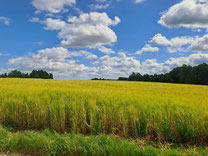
(52, 143)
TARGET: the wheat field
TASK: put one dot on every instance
(154, 111)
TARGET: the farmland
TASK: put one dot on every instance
(154, 112)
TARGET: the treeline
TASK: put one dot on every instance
(185, 75)
(100, 79)
(41, 74)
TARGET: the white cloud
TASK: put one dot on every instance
(199, 44)
(62, 64)
(151, 66)
(123, 65)
(79, 10)
(54, 24)
(188, 13)
(147, 48)
(53, 6)
(34, 19)
(94, 18)
(98, 6)
(60, 54)
(174, 45)
(57, 60)
(101, 4)
(56, 54)
(82, 53)
(120, 65)
(139, 1)
(4, 20)
(95, 63)
(192, 60)
(158, 39)
(179, 44)
(182, 43)
(106, 50)
(87, 31)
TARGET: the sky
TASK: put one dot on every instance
(83, 39)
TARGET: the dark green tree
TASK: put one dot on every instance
(185, 75)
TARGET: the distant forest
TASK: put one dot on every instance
(184, 75)
(41, 74)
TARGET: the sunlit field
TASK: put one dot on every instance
(153, 111)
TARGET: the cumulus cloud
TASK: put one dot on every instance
(188, 14)
(53, 6)
(192, 60)
(199, 44)
(120, 61)
(120, 65)
(54, 24)
(86, 31)
(95, 63)
(94, 18)
(159, 39)
(174, 45)
(179, 44)
(147, 48)
(106, 50)
(151, 66)
(62, 64)
(182, 43)
(4, 20)
(57, 60)
(82, 53)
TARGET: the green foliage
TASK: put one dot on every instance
(41, 74)
(52, 143)
(184, 75)
(34, 74)
(4, 135)
(185, 128)
(141, 126)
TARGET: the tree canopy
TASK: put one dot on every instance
(185, 75)
(41, 74)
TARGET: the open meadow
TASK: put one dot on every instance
(154, 112)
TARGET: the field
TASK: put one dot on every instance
(154, 112)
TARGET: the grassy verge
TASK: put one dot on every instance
(52, 143)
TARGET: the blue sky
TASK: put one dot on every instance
(79, 39)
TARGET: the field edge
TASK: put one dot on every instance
(52, 143)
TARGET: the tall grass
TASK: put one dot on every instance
(155, 111)
(52, 143)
